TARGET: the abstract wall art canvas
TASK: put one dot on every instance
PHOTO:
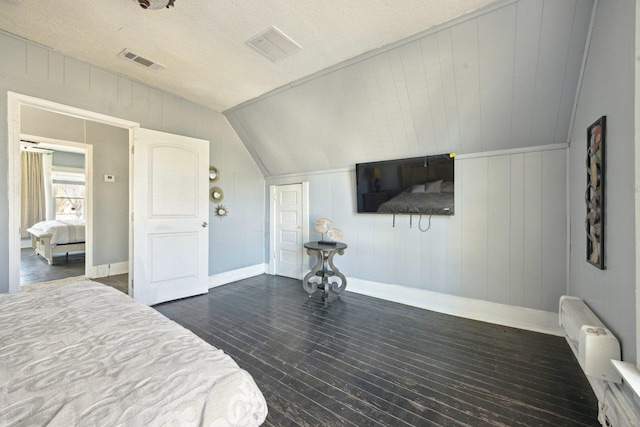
(594, 195)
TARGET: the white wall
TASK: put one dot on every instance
(36, 71)
(608, 89)
(505, 244)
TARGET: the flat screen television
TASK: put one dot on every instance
(418, 185)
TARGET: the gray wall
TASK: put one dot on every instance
(506, 242)
(236, 241)
(110, 199)
(68, 160)
(608, 89)
(503, 80)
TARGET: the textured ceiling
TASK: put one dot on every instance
(202, 43)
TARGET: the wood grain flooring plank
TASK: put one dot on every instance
(358, 361)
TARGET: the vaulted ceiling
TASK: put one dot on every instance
(374, 80)
(505, 77)
(202, 42)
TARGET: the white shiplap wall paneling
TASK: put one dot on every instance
(398, 73)
(335, 150)
(316, 123)
(447, 76)
(554, 227)
(533, 200)
(494, 248)
(439, 245)
(337, 105)
(516, 260)
(239, 122)
(417, 92)
(360, 121)
(497, 80)
(555, 34)
(464, 45)
(455, 240)
(527, 41)
(436, 124)
(496, 61)
(385, 149)
(473, 173)
(575, 55)
(390, 104)
(498, 228)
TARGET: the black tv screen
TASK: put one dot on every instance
(419, 185)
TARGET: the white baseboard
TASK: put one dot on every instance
(106, 270)
(501, 314)
(220, 279)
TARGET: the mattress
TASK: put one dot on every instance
(62, 232)
(85, 354)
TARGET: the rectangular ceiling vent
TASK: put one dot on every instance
(140, 60)
(273, 44)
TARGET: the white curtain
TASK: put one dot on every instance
(32, 190)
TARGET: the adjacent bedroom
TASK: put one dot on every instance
(62, 188)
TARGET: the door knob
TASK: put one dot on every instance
(204, 224)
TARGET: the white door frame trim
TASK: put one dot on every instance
(272, 225)
(15, 101)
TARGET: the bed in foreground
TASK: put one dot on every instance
(85, 354)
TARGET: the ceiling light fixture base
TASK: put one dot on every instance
(155, 4)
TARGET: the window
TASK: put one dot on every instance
(68, 194)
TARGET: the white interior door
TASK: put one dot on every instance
(288, 220)
(170, 216)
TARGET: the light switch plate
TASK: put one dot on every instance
(109, 178)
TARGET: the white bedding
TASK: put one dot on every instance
(62, 232)
(84, 354)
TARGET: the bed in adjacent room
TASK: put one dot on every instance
(85, 354)
(49, 238)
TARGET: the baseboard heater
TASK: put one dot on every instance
(592, 343)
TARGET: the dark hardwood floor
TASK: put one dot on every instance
(361, 361)
(36, 269)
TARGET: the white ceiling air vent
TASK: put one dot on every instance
(273, 44)
(140, 60)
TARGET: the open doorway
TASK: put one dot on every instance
(54, 191)
(104, 138)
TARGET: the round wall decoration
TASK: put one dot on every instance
(216, 194)
(214, 174)
(221, 211)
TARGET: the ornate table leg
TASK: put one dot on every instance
(309, 286)
(343, 280)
